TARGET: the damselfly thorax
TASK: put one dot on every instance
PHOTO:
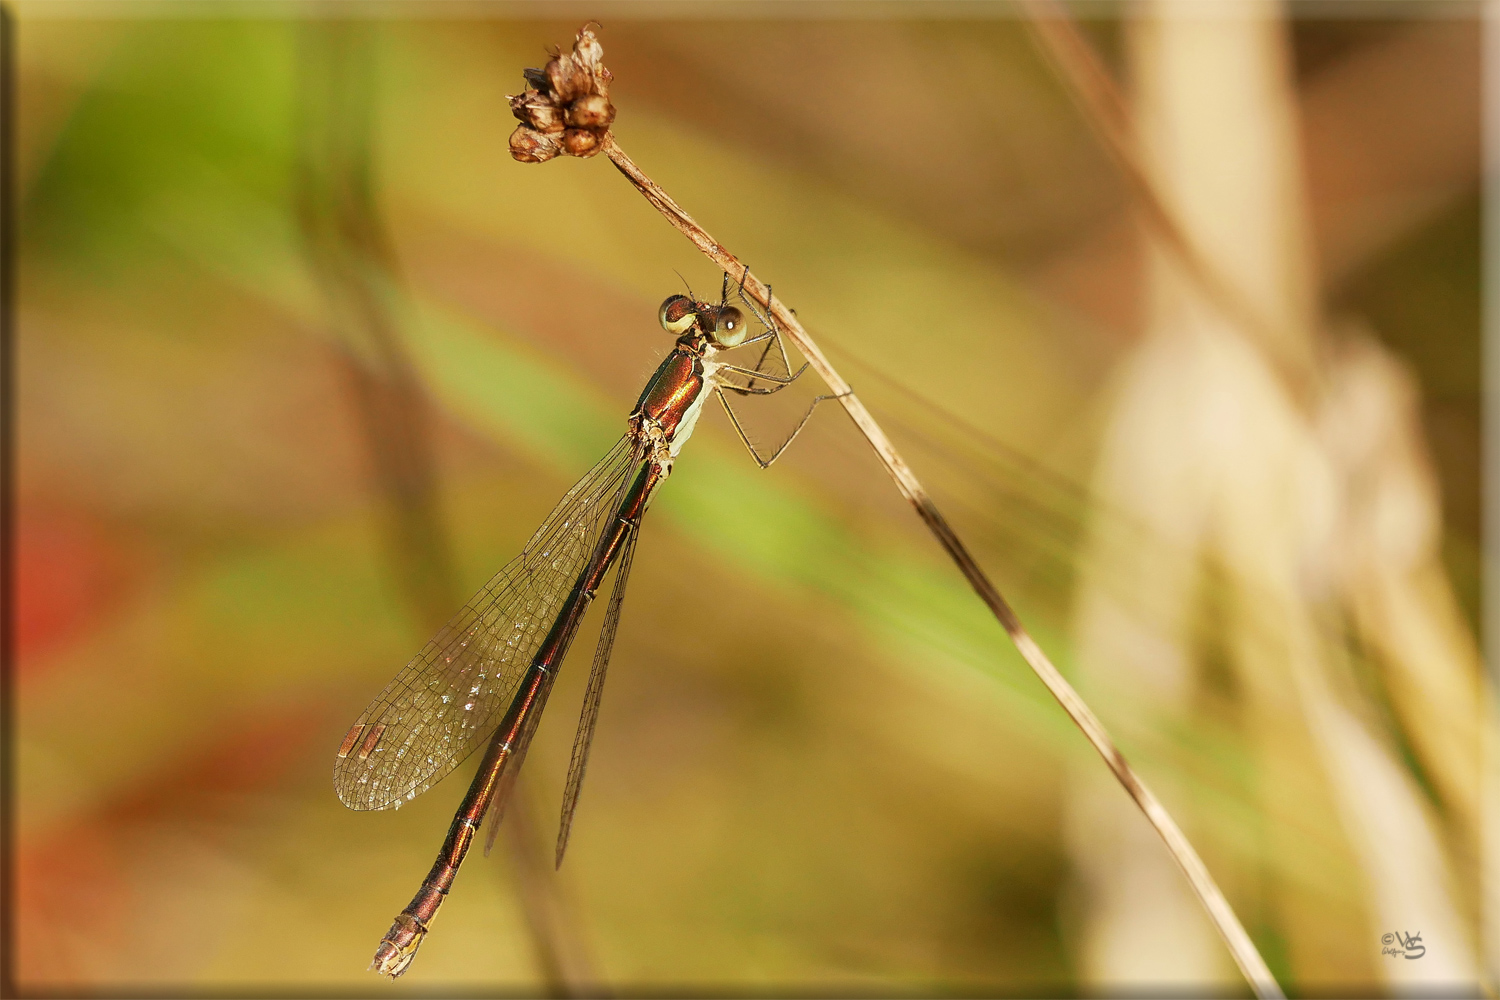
(673, 399)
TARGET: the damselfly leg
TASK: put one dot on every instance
(766, 463)
(774, 346)
(772, 336)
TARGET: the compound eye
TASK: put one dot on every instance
(677, 314)
(729, 327)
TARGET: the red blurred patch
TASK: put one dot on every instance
(253, 754)
(89, 892)
(71, 569)
(71, 903)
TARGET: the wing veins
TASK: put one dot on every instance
(589, 718)
(477, 659)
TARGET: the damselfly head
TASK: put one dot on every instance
(723, 325)
(677, 314)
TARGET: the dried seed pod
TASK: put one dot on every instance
(590, 111)
(586, 48)
(536, 79)
(569, 79)
(537, 110)
(589, 54)
(579, 142)
(531, 146)
(565, 108)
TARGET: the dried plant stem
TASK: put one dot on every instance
(563, 962)
(1098, 98)
(1240, 946)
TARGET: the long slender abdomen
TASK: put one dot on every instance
(508, 746)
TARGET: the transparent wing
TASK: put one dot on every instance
(590, 717)
(447, 700)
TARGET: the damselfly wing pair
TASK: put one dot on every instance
(486, 674)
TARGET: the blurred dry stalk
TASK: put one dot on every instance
(1292, 459)
(579, 79)
(352, 257)
(1104, 109)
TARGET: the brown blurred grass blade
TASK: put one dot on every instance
(573, 90)
(1094, 91)
(346, 244)
(351, 255)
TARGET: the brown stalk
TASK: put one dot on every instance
(577, 82)
(1098, 98)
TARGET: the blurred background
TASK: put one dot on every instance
(1175, 307)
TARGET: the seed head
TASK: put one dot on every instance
(565, 107)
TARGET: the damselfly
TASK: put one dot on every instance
(487, 673)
